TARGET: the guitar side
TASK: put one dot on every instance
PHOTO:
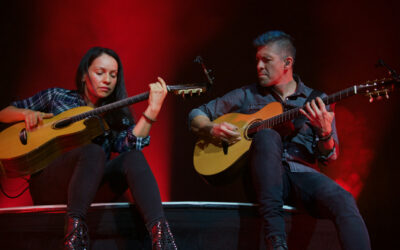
(209, 159)
(44, 144)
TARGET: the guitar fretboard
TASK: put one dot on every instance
(122, 103)
(294, 113)
(111, 106)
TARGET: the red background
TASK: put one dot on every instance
(338, 44)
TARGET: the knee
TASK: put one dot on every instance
(344, 196)
(93, 149)
(135, 155)
(93, 152)
(267, 139)
(134, 161)
(349, 201)
(344, 204)
(267, 134)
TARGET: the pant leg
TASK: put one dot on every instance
(324, 198)
(267, 175)
(73, 178)
(130, 169)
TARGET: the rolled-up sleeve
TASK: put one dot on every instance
(220, 106)
(126, 141)
(196, 112)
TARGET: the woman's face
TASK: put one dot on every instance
(101, 78)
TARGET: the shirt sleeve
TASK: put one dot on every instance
(38, 102)
(126, 141)
(228, 103)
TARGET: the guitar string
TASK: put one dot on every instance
(293, 113)
(126, 102)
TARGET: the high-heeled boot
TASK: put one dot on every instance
(76, 234)
(162, 238)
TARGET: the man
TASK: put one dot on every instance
(283, 167)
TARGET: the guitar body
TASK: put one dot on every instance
(217, 163)
(26, 152)
(210, 160)
(46, 143)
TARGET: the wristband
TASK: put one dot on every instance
(326, 138)
(148, 119)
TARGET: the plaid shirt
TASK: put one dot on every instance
(58, 100)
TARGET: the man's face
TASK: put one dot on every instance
(270, 65)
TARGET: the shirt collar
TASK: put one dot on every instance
(301, 89)
(79, 96)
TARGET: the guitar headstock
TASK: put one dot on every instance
(187, 90)
(378, 88)
(194, 89)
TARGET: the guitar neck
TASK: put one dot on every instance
(111, 106)
(294, 113)
(125, 102)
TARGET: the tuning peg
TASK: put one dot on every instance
(386, 94)
(371, 99)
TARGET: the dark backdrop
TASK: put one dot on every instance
(338, 44)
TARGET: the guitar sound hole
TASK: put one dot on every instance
(249, 136)
(248, 133)
(62, 123)
(23, 136)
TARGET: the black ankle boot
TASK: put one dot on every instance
(277, 242)
(76, 234)
(162, 238)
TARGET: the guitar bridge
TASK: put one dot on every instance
(225, 146)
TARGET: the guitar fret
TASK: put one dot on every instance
(123, 103)
(293, 113)
(111, 106)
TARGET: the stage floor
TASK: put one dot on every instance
(196, 225)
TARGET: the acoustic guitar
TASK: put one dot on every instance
(217, 162)
(24, 152)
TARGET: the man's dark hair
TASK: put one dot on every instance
(283, 40)
(114, 118)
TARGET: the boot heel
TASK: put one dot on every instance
(76, 236)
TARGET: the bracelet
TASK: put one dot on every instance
(150, 120)
(326, 137)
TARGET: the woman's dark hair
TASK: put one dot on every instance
(116, 117)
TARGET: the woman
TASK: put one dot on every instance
(76, 176)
